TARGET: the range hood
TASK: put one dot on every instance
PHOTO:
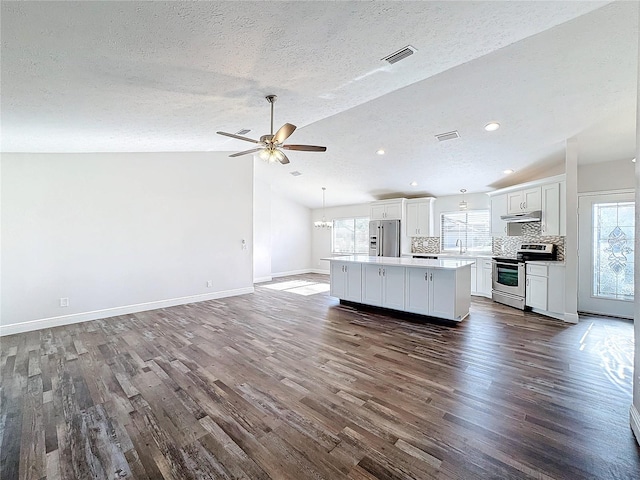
(534, 216)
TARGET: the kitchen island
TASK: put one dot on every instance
(437, 288)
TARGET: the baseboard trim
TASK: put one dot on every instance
(546, 313)
(571, 317)
(634, 420)
(262, 279)
(320, 271)
(292, 272)
(112, 312)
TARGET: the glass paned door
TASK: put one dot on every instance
(613, 237)
(606, 257)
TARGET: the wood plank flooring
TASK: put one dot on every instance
(287, 386)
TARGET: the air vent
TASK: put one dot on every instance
(295, 173)
(244, 131)
(447, 136)
(400, 55)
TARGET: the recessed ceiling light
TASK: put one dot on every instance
(633, 160)
(414, 184)
(380, 152)
(508, 171)
(492, 126)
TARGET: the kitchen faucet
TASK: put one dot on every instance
(459, 244)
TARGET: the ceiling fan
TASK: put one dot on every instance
(271, 145)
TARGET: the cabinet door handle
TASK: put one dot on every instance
(527, 282)
(345, 269)
(525, 205)
(383, 272)
(379, 272)
(431, 277)
(505, 229)
(425, 277)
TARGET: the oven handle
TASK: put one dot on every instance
(517, 265)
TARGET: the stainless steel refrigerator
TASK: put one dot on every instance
(384, 238)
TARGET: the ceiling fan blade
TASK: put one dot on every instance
(239, 137)
(282, 158)
(305, 148)
(253, 150)
(285, 131)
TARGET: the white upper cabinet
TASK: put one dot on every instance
(524, 200)
(387, 210)
(550, 224)
(419, 217)
(498, 208)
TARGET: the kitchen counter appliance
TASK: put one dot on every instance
(509, 276)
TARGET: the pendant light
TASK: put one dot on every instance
(323, 223)
(463, 204)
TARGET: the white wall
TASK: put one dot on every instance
(605, 176)
(321, 237)
(451, 203)
(291, 226)
(261, 231)
(121, 230)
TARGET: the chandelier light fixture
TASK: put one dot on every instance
(463, 204)
(323, 223)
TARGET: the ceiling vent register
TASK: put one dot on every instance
(400, 54)
(447, 136)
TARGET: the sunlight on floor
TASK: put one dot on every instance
(300, 287)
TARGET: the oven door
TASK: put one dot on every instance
(508, 277)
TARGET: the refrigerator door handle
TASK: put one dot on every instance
(381, 249)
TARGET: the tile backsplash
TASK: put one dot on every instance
(530, 234)
(501, 245)
(425, 244)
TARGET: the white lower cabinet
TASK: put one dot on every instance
(438, 293)
(442, 293)
(346, 281)
(555, 296)
(486, 274)
(536, 286)
(383, 286)
(417, 290)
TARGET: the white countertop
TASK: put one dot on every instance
(545, 262)
(448, 264)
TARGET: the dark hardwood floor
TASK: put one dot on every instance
(289, 386)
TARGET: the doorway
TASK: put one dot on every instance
(606, 227)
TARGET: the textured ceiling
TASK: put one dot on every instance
(153, 76)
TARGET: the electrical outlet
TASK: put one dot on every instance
(64, 302)
(209, 283)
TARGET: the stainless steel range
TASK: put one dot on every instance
(509, 273)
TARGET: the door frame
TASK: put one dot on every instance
(584, 253)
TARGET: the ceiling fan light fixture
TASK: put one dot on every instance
(271, 155)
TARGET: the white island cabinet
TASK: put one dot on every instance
(437, 288)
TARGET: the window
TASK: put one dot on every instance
(472, 228)
(350, 235)
(613, 239)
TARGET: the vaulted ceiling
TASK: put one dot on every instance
(159, 77)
